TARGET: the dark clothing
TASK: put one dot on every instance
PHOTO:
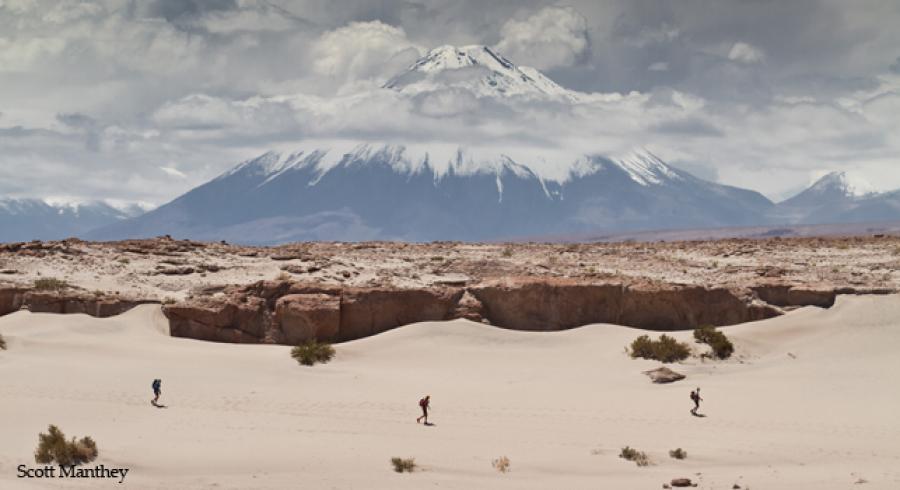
(423, 403)
(157, 389)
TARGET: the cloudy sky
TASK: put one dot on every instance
(143, 100)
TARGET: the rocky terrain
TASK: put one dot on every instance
(344, 291)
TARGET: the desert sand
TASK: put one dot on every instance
(809, 401)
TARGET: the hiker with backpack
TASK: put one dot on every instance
(424, 403)
(157, 390)
(695, 397)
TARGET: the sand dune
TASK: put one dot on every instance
(809, 401)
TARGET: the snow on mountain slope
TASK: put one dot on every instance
(843, 183)
(838, 197)
(393, 192)
(478, 69)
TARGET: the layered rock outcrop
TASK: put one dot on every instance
(287, 312)
(559, 304)
(290, 313)
(14, 298)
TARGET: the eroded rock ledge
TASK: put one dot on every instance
(286, 312)
(14, 298)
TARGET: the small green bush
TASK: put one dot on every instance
(50, 284)
(722, 348)
(400, 464)
(678, 453)
(639, 457)
(312, 352)
(53, 446)
(666, 349)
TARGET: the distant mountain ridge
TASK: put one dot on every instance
(37, 219)
(838, 197)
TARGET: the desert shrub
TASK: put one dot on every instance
(53, 446)
(678, 453)
(666, 349)
(639, 457)
(124, 260)
(722, 348)
(312, 352)
(404, 464)
(50, 284)
(501, 464)
(507, 251)
(2, 343)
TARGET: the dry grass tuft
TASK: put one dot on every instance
(50, 284)
(501, 464)
(312, 352)
(53, 446)
(666, 349)
(402, 465)
(639, 457)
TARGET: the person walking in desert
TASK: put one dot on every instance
(157, 390)
(424, 404)
(695, 396)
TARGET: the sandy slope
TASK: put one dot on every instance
(810, 402)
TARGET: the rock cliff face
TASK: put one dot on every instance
(287, 312)
(14, 298)
(290, 313)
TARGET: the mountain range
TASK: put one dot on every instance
(399, 191)
(37, 219)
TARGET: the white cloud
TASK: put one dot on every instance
(551, 37)
(173, 172)
(23, 55)
(745, 53)
(659, 66)
(363, 51)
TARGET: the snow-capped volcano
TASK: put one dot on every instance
(839, 197)
(377, 190)
(843, 184)
(395, 192)
(480, 70)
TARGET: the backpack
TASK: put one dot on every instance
(693, 396)
(155, 384)
(423, 403)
